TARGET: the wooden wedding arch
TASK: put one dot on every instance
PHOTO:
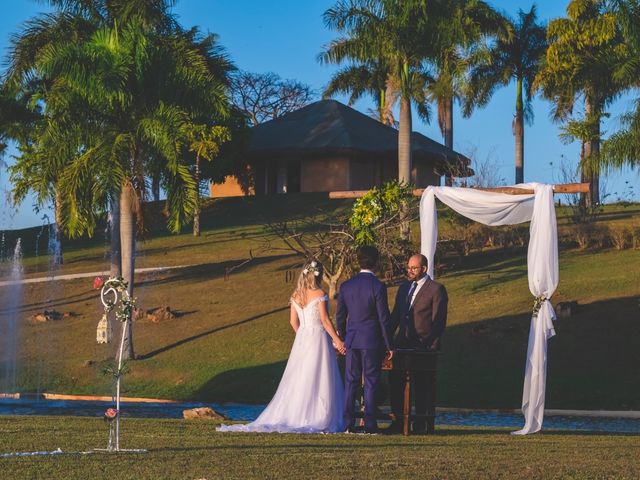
(541, 328)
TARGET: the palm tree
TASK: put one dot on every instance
(371, 77)
(20, 122)
(205, 143)
(583, 52)
(390, 44)
(16, 118)
(385, 33)
(622, 148)
(76, 21)
(455, 26)
(140, 87)
(517, 57)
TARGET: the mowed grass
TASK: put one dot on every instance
(232, 339)
(179, 449)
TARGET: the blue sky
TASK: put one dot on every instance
(285, 36)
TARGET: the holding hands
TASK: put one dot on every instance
(339, 346)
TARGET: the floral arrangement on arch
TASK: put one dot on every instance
(378, 206)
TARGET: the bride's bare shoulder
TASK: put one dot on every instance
(317, 293)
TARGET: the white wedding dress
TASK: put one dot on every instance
(310, 396)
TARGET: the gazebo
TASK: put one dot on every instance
(329, 146)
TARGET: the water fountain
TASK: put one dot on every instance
(9, 322)
(45, 340)
(2, 252)
(54, 247)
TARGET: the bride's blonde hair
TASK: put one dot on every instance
(310, 279)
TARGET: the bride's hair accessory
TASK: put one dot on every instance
(314, 267)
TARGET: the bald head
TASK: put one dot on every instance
(417, 267)
(421, 259)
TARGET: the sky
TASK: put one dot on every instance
(285, 37)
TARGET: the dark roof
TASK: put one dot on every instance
(329, 127)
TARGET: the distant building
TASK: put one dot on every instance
(328, 146)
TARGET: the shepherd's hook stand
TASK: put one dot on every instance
(115, 292)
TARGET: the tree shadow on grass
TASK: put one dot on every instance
(80, 297)
(492, 261)
(209, 271)
(255, 384)
(158, 351)
(208, 240)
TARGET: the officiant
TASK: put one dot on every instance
(419, 316)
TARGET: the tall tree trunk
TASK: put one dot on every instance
(155, 187)
(404, 141)
(518, 131)
(196, 213)
(115, 269)
(404, 158)
(448, 133)
(128, 241)
(591, 150)
(57, 231)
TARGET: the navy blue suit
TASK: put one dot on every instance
(363, 300)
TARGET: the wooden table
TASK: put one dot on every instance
(413, 363)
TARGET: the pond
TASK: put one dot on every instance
(250, 412)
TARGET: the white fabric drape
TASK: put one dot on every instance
(491, 208)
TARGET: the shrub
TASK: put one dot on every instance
(582, 235)
(495, 236)
(621, 236)
(590, 235)
(600, 238)
(635, 233)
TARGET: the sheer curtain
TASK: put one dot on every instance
(492, 208)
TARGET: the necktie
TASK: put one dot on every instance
(410, 294)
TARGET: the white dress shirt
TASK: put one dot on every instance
(421, 282)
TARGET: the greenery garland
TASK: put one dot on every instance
(375, 207)
(537, 304)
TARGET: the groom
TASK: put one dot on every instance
(363, 300)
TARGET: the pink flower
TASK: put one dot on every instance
(110, 414)
(97, 283)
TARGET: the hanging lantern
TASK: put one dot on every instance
(104, 332)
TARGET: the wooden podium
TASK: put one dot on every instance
(413, 363)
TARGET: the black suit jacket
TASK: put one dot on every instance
(423, 323)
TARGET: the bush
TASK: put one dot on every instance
(621, 236)
(635, 233)
(517, 236)
(495, 236)
(470, 237)
(589, 235)
(582, 235)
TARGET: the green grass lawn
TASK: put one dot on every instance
(179, 449)
(232, 340)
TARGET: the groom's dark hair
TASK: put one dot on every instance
(368, 257)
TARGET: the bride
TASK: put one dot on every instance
(310, 396)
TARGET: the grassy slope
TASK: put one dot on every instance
(233, 339)
(183, 449)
